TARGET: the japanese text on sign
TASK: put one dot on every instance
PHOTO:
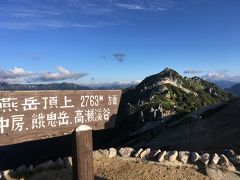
(34, 112)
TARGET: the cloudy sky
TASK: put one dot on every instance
(96, 41)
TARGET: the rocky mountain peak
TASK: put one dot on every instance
(161, 78)
(168, 71)
(168, 93)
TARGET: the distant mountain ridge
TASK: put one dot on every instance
(67, 86)
(168, 93)
(224, 84)
(235, 89)
(54, 86)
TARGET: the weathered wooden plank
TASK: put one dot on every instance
(82, 155)
(33, 115)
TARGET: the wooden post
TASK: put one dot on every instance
(82, 153)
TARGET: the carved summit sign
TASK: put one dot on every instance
(33, 115)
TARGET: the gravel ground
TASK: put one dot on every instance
(120, 169)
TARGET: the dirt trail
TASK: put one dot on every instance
(120, 169)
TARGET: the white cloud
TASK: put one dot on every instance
(28, 15)
(130, 6)
(19, 75)
(18, 71)
(159, 5)
(49, 24)
(13, 75)
(192, 71)
(61, 75)
(221, 76)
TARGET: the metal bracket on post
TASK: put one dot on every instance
(82, 153)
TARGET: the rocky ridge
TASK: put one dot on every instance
(166, 94)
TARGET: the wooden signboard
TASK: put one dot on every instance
(33, 115)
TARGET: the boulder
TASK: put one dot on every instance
(152, 109)
(205, 158)
(154, 153)
(161, 156)
(112, 152)
(138, 152)
(67, 161)
(59, 162)
(126, 152)
(235, 159)
(4, 174)
(183, 156)
(21, 169)
(30, 168)
(229, 153)
(225, 164)
(223, 160)
(101, 153)
(171, 156)
(215, 158)
(195, 157)
(144, 154)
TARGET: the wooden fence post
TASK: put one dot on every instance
(82, 153)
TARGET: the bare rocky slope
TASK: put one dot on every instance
(217, 129)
